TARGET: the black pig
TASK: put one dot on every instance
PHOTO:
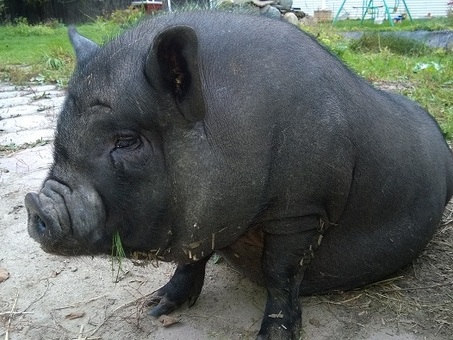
(206, 132)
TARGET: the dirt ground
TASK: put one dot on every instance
(53, 297)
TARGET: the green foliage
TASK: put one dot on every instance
(58, 58)
(376, 42)
(54, 63)
(20, 27)
(329, 37)
(421, 73)
(432, 24)
(118, 254)
(53, 23)
(426, 78)
(42, 53)
(2, 6)
(190, 5)
(125, 18)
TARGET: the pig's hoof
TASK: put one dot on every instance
(185, 285)
(161, 304)
(168, 298)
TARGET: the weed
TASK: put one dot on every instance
(58, 58)
(188, 5)
(127, 17)
(53, 23)
(376, 42)
(17, 74)
(54, 63)
(118, 254)
(416, 25)
(329, 37)
(12, 147)
(22, 28)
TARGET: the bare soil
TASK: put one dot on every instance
(53, 297)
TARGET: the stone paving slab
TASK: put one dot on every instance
(21, 110)
(26, 162)
(13, 101)
(8, 94)
(28, 113)
(21, 123)
(29, 137)
(8, 88)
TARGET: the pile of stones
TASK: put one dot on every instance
(269, 8)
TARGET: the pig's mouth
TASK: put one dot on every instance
(66, 221)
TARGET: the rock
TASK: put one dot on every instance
(286, 3)
(270, 11)
(269, 8)
(4, 275)
(299, 14)
(308, 20)
(291, 18)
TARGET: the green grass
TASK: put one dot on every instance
(118, 255)
(43, 53)
(27, 54)
(424, 74)
(428, 79)
(377, 41)
(416, 24)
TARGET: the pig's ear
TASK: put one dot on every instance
(172, 66)
(84, 48)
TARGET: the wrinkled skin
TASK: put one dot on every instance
(186, 137)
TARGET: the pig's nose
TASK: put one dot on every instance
(37, 225)
(40, 225)
(56, 209)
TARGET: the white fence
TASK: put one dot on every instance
(417, 8)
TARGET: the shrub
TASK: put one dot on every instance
(127, 17)
(21, 27)
(376, 42)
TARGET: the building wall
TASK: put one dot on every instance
(417, 8)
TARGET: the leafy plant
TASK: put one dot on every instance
(2, 7)
(127, 17)
(433, 24)
(54, 63)
(21, 27)
(376, 42)
(53, 23)
(117, 254)
(58, 58)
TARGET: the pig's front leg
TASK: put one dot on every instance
(285, 257)
(185, 285)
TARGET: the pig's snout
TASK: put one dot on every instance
(48, 218)
(43, 224)
(35, 222)
(65, 220)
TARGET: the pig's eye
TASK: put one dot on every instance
(127, 142)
